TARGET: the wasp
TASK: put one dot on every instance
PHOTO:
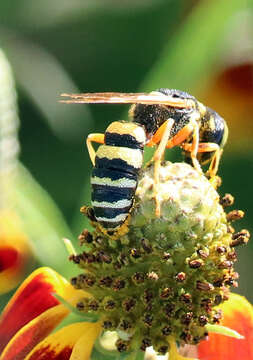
(164, 118)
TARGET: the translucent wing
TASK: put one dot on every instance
(127, 98)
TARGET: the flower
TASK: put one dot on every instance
(15, 252)
(230, 92)
(165, 276)
(165, 283)
(238, 315)
(33, 313)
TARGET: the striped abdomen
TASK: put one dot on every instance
(115, 175)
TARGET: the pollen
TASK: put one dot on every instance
(164, 276)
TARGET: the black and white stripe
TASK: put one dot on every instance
(123, 140)
(114, 177)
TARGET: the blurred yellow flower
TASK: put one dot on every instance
(230, 93)
(15, 251)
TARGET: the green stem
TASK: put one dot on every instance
(136, 355)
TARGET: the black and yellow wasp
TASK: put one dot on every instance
(164, 118)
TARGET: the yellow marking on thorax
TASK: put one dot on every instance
(130, 128)
(133, 157)
(211, 123)
(225, 135)
(202, 109)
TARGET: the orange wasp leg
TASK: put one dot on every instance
(209, 147)
(161, 136)
(98, 138)
(158, 135)
(181, 136)
(190, 129)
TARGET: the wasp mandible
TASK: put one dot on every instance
(164, 118)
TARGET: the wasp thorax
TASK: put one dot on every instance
(167, 275)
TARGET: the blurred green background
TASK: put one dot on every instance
(202, 47)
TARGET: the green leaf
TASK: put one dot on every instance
(223, 330)
(97, 355)
(80, 221)
(84, 316)
(42, 221)
(136, 355)
(69, 246)
(193, 51)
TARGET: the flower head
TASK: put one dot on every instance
(166, 276)
(165, 283)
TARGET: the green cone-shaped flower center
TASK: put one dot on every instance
(166, 275)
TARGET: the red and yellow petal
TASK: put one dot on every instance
(32, 298)
(32, 333)
(15, 252)
(73, 342)
(238, 315)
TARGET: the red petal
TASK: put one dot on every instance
(32, 298)
(238, 315)
(8, 258)
(51, 354)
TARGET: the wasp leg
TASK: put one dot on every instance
(213, 168)
(157, 137)
(195, 146)
(98, 138)
(208, 147)
(161, 136)
(191, 129)
(180, 137)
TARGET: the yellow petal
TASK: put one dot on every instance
(61, 344)
(84, 345)
(33, 298)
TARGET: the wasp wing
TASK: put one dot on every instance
(127, 98)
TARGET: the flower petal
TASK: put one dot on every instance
(174, 353)
(76, 339)
(32, 333)
(15, 252)
(32, 298)
(238, 315)
(84, 345)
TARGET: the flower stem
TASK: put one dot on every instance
(136, 355)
